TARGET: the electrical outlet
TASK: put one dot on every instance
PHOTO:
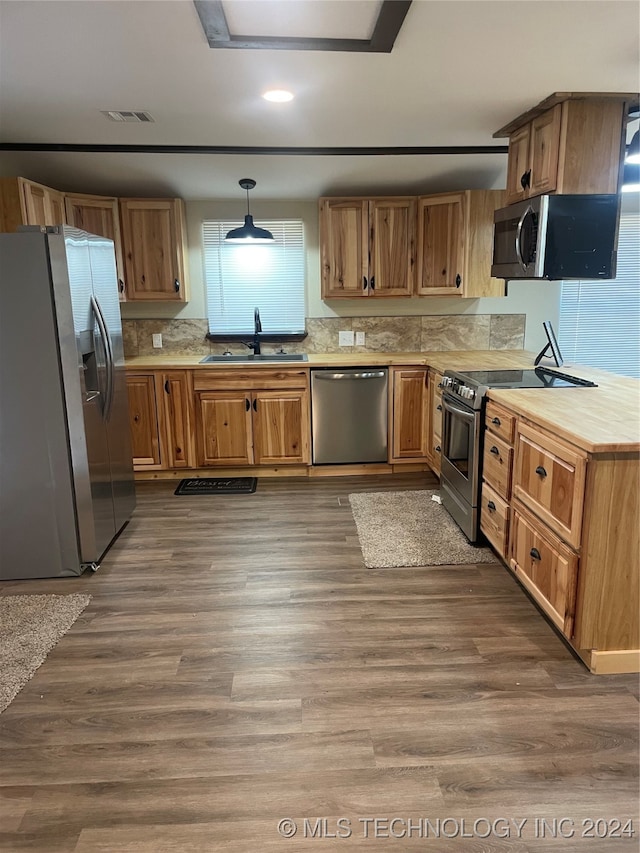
(345, 339)
(157, 341)
(359, 339)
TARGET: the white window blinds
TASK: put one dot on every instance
(239, 278)
(600, 320)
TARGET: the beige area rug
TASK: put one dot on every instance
(409, 529)
(30, 626)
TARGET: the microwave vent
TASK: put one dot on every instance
(128, 115)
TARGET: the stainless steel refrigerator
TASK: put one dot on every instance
(66, 475)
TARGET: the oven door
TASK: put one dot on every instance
(461, 449)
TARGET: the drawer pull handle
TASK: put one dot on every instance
(496, 421)
(491, 506)
(535, 554)
(167, 389)
(540, 470)
(495, 451)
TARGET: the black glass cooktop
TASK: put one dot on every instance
(537, 378)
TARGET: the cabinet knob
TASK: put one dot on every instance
(439, 408)
(541, 471)
(176, 285)
(496, 421)
(495, 451)
(255, 405)
(166, 387)
(535, 554)
(525, 180)
(373, 282)
(364, 282)
(438, 448)
(121, 285)
(458, 280)
(491, 506)
(247, 404)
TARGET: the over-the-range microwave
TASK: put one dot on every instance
(557, 237)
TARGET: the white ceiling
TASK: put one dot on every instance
(460, 69)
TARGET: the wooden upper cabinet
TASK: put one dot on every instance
(98, 215)
(153, 242)
(24, 202)
(440, 244)
(367, 247)
(344, 242)
(455, 244)
(392, 239)
(567, 144)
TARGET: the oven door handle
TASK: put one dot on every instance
(468, 414)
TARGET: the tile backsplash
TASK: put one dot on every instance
(382, 334)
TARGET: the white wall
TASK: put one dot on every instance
(539, 300)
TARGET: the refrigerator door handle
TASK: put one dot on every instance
(104, 334)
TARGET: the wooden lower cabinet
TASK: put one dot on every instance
(547, 568)
(409, 415)
(160, 419)
(143, 421)
(435, 420)
(223, 428)
(252, 427)
(566, 522)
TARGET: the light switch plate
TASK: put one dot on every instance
(359, 339)
(157, 341)
(345, 339)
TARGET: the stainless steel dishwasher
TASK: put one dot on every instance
(349, 415)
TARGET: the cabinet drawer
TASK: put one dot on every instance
(497, 463)
(500, 422)
(229, 380)
(549, 479)
(546, 568)
(494, 519)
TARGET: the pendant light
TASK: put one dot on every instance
(248, 233)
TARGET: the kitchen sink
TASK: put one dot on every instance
(249, 358)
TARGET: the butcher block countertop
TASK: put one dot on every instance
(441, 361)
(605, 419)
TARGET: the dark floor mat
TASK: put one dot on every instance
(217, 486)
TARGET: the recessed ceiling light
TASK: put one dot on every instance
(278, 96)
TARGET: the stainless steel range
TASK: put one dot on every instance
(463, 403)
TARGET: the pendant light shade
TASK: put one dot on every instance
(248, 233)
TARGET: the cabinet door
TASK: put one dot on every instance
(153, 244)
(549, 478)
(223, 428)
(440, 244)
(544, 151)
(518, 165)
(177, 418)
(435, 420)
(281, 427)
(143, 421)
(392, 229)
(98, 215)
(546, 568)
(55, 204)
(36, 207)
(344, 247)
(410, 415)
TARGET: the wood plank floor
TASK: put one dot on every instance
(238, 665)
